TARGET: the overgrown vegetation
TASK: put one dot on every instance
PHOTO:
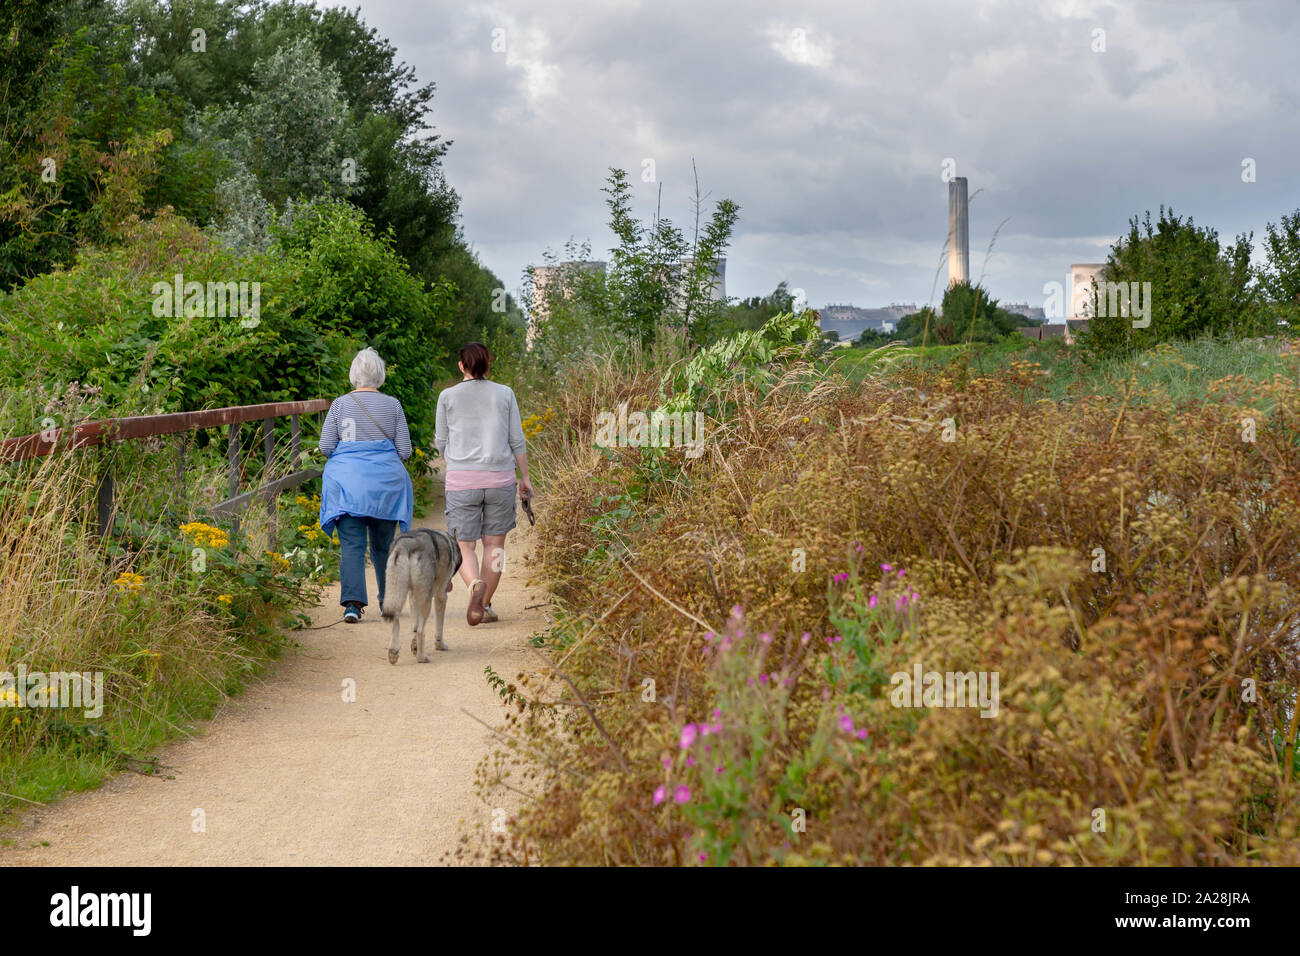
(231, 116)
(199, 207)
(173, 611)
(729, 626)
(967, 314)
(656, 277)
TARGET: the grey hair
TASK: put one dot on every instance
(367, 369)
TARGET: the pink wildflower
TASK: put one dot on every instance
(682, 794)
(661, 794)
(688, 735)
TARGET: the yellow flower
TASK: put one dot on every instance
(18, 720)
(13, 699)
(225, 598)
(205, 535)
(129, 582)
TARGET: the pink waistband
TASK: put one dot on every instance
(473, 480)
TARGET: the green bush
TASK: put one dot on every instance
(1196, 288)
(96, 324)
(347, 281)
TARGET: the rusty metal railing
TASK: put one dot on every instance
(105, 431)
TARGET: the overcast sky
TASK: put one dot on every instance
(830, 126)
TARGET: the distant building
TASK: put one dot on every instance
(544, 277)
(958, 232)
(1081, 276)
(1028, 311)
(851, 321)
(718, 290)
(1062, 330)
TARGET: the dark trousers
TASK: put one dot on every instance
(353, 532)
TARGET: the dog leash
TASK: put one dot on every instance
(318, 627)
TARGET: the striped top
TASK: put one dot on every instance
(346, 422)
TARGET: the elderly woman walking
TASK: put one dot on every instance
(479, 434)
(366, 491)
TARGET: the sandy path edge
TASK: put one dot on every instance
(288, 773)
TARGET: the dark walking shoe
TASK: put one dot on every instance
(489, 615)
(353, 614)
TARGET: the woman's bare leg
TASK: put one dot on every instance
(494, 562)
(468, 561)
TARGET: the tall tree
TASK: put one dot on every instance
(1279, 274)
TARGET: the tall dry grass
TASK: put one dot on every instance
(175, 621)
(1154, 699)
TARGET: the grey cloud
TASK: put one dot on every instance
(836, 160)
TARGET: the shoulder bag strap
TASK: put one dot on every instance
(361, 404)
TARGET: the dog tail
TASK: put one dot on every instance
(397, 578)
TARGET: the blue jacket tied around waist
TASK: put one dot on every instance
(368, 480)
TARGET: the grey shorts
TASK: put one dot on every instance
(472, 514)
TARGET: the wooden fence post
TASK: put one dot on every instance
(104, 500)
(232, 458)
(268, 447)
(180, 466)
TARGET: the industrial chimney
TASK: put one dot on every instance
(958, 232)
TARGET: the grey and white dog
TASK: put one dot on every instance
(423, 563)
